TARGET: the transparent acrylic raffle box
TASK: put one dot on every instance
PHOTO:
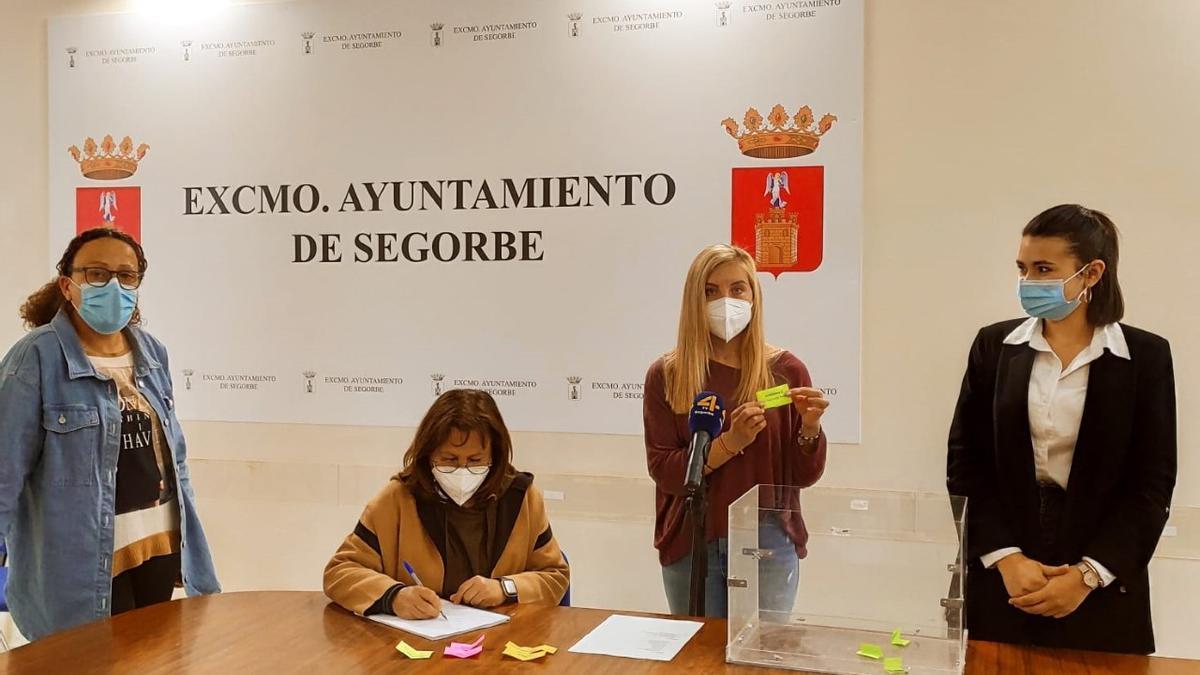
(877, 563)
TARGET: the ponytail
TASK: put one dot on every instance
(43, 305)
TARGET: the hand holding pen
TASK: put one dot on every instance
(417, 602)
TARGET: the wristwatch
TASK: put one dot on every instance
(1091, 578)
(510, 589)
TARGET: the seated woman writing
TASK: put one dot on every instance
(473, 529)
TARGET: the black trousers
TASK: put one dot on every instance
(147, 584)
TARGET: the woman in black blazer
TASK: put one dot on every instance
(1063, 442)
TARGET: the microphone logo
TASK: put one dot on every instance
(710, 403)
(707, 414)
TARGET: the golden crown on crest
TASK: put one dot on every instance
(782, 136)
(108, 161)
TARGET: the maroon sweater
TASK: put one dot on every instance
(774, 458)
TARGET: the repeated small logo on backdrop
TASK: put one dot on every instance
(723, 13)
(228, 382)
(777, 212)
(435, 30)
(573, 20)
(574, 393)
(116, 207)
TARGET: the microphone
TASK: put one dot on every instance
(704, 422)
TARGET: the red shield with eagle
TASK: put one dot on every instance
(778, 215)
(119, 208)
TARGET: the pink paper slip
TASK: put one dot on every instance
(463, 650)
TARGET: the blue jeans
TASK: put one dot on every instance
(778, 575)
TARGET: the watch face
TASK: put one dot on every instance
(510, 587)
(1090, 578)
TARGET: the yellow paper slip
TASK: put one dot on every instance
(898, 639)
(523, 656)
(528, 653)
(775, 397)
(870, 651)
(407, 650)
(894, 665)
(545, 648)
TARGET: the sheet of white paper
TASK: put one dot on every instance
(638, 637)
(459, 619)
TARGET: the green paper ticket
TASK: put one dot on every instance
(775, 397)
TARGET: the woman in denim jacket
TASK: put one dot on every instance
(95, 501)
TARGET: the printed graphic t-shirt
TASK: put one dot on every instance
(147, 513)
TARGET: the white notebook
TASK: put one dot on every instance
(459, 619)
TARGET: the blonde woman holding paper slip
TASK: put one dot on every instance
(721, 348)
(458, 522)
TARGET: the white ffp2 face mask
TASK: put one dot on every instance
(728, 317)
(460, 484)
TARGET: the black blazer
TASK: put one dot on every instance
(1118, 496)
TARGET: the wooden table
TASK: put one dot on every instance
(290, 632)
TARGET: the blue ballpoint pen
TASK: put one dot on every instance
(413, 573)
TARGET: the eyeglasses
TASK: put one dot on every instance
(99, 277)
(477, 469)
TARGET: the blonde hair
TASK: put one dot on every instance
(686, 366)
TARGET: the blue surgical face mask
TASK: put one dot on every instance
(1048, 299)
(108, 308)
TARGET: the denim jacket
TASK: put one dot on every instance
(60, 424)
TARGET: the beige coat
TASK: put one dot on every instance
(395, 527)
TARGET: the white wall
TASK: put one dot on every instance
(978, 115)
